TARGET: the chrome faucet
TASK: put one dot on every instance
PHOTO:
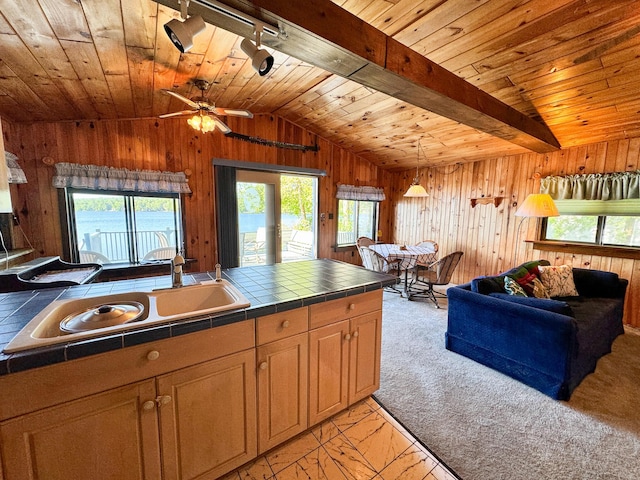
(176, 271)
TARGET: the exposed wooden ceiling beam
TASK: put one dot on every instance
(325, 35)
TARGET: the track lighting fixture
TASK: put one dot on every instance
(181, 33)
(261, 60)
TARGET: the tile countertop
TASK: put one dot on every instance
(269, 288)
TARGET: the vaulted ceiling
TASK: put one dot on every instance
(572, 65)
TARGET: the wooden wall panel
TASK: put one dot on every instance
(487, 234)
(172, 145)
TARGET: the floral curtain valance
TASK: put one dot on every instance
(593, 186)
(94, 177)
(351, 192)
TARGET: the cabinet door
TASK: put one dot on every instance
(282, 390)
(208, 417)
(104, 436)
(364, 355)
(328, 370)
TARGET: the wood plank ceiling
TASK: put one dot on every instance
(573, 64)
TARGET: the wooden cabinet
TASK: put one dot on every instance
(208, 417)
(344, 353)
(195, 406)
(206, 412)
(282, 359)
(364, 355)
(328, 371)
(108, 435)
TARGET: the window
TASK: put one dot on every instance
(356, 218)
(117, 227)
(607, 223)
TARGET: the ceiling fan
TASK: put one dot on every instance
(201, 109)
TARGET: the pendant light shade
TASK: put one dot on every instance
(416, 190)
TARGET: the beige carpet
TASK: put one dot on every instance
(486, 426)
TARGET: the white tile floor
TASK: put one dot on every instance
(362, 443)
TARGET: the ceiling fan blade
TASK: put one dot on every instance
(191, 103)
(233, 112)
(175, 114)
(221, 125)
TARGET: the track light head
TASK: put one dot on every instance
(182, 33)
(261, 60)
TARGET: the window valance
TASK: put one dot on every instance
(15, 173)
(351, 192)
(94, 177)
(593, 186)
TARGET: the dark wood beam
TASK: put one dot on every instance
(325, 35)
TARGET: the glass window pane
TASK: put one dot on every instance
(576, 228)
(347, 222)
(621, 231)
(156, 227)
(101, 226)
(356, 219)
(111, 228)
(366, 218)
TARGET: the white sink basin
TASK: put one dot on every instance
(197, 299)
(158, 306)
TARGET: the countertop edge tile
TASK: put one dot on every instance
(270, 288)
(93, 346)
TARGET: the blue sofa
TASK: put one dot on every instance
(548, 344)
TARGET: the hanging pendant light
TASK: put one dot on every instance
(416, 190)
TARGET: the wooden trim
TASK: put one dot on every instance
(268, 167)
(599, 250)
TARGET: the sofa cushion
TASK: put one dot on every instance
(555, 306)
(558, 280)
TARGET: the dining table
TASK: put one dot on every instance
(409, 256)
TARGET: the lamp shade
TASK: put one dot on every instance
(538, 205)
(416, 190)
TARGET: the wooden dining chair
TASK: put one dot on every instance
(364, 242)
(428, 243)
(372, 260)
(438, 273)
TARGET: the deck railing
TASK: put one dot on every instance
(115, 245)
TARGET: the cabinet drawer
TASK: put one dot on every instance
(281, 325)
(62, 382)
(321, 314)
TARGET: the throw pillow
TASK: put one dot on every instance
(526, 283)
(513, 287)
(538, 288)
(558, 280)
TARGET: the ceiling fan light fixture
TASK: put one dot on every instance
(208, 125)
(195, 122)
(181, 33)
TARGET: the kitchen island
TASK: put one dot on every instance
(198, 397)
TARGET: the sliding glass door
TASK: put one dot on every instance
(276, 217)
(258, 196)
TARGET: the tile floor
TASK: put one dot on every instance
(362, 443)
